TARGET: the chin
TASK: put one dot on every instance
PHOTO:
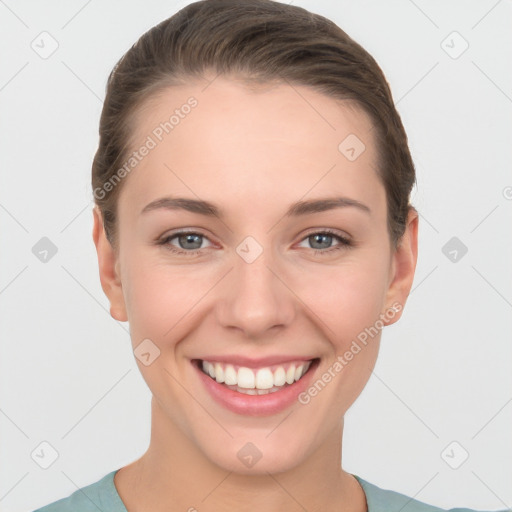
(258, 457)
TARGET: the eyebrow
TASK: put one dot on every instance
(296, 209)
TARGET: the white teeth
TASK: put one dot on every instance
(246, 378)
(279, 377)
(264, 379)
(219, 373)
(230, 375)
(298, 372)
(252, 382)
(254, 391)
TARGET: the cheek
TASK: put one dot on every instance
(347, 298)
(149, 311)
(162, 307)
(162, 301)
(350, 307)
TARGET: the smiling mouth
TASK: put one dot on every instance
(255, 381)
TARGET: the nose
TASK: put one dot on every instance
(255, 298)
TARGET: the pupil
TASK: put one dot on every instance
(190, 238)
(325, 237)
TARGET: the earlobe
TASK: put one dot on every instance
(108, 264)
(403, 266)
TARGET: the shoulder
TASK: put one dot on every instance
(383, 500)
(100, 495)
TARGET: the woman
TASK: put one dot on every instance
(253, 225)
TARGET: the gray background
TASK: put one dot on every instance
(67, 373)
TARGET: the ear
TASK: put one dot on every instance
(403, 265)
(108, 264)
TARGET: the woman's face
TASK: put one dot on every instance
(269, 281)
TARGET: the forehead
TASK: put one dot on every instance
(285, 110)
(277, 139)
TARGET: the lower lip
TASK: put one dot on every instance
(256, 405)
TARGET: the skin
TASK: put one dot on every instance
(252, 152)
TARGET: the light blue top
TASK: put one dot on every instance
(102, 496)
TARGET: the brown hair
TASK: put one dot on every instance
(260, 41)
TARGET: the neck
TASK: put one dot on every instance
(174, 475)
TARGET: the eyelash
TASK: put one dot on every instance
(344, 243)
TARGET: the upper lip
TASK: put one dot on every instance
(250, 362)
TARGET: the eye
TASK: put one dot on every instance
(321, 241)
(187, 242)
